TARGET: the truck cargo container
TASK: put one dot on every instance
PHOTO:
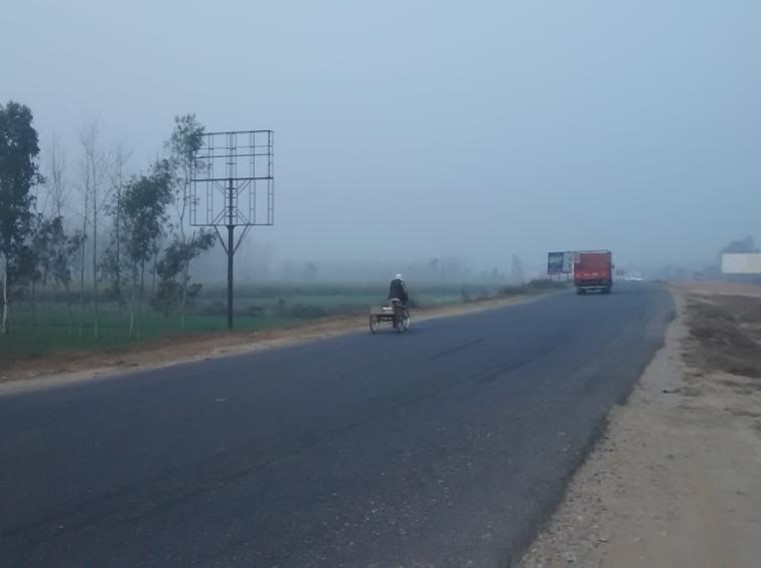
(593, 271)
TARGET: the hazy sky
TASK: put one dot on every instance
(417, 129)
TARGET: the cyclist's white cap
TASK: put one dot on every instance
(399, 277)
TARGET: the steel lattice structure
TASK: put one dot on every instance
(233, 186)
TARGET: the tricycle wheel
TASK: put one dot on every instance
(373, 324)
(403, 324)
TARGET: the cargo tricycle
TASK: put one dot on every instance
(395, 314)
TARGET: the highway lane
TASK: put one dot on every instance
(446, 446)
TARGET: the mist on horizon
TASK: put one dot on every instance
(413, 132)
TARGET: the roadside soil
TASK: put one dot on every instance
(74, 366)
(676, 480)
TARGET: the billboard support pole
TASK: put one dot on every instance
(231, 167)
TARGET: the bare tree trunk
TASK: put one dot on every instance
(132, 303)
(153, 274)
(117, 182)
(140, 300)
(68, 309)
(82, 289)
(186, 260)
(57, 184)
(184, 299)
(185, 277)
(83, 261)
(118, 275)
(3, 323)
(184, 144)
(34, 306)
(95, 165)
(95, 266)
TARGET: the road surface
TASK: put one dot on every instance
(447, 446)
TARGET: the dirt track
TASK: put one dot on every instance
(677, 479)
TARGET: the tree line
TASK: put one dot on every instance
(127, 228)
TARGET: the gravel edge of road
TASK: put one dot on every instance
(564, 535)
(671, 481)
(530, 552)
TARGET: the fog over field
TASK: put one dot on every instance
(407, 132)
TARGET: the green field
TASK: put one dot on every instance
(257, 307)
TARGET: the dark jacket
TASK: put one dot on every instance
(397, 290)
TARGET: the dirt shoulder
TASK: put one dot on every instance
(676, 481)
(73, 366)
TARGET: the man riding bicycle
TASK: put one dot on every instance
(397, 299)
(398, 291)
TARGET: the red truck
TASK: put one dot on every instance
(593, 271)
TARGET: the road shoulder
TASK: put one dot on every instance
(73, 367)
(676, 480)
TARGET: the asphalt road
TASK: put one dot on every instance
(446, 446)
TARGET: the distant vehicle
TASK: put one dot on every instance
(593, 271)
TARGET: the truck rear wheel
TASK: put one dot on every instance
(580, 291)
